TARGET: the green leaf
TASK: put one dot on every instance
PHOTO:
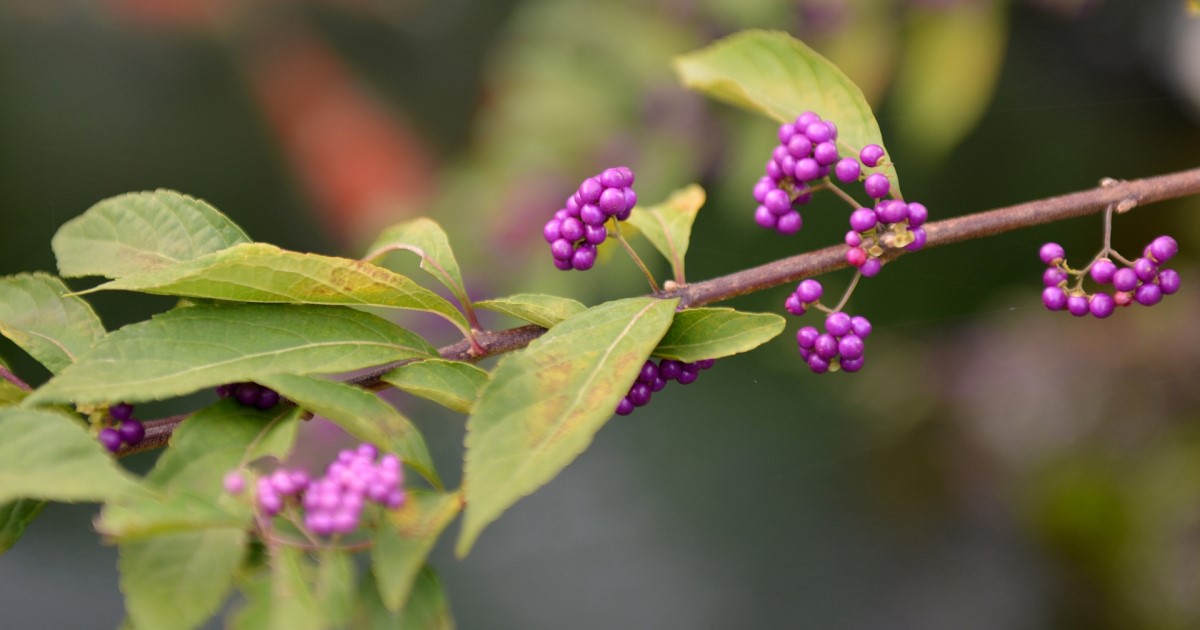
(10, 394)
(425, 238)
(405, 539)
(52, 328)
(141, 231)
(15, 516)
(712, 333)
(294, 604)
(668, 225)
(258, 272)
(772, 73)
(948, 72)
(545, 403)
(188, 478)
(202, 346)
(49, 455)
(453, 384)
(544, 310)
(426, 609)
(362, 414)
(336, 577)
(179, 580)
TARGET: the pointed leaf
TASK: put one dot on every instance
(668, 225)
(426, 608)
(771, 73)
(141, 231)
(52, 328)
(712, 333)
(258, 272)
(425, 238)
(544, 310)
(452, 384)
(179, 580)
(545, 403)
(404, 541)
(188, 477)
(48, 455)
(294, 604)
(15, 516)
(948, 72)
(362, 414)
(188, 349)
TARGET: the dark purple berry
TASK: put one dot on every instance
(110, 439)
(648, 373)
(1051, 253)
(1148, 294)
(268, 399)
(658, 384)
(639, 394)
(121, 411)
(871, 154)
(852, 365)
(131, 432)
(1054, 298)
(688, 374)
(670, 369)
(1162, 249)
(1168, 281)
(224, 391)
(1102, 271)
(562, 265)
(706, 364)
(248, 394)
(562, 249)
(1102, 305)
(1125, 279)
(625, 407)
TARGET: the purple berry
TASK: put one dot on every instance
(268, 399)
(562, 249)
(764, 218)
(612, 201)
(132, 432)
(917, 214)
(837, 324)
(248, 394)
(762, 187)
(595, 234)
(806, 337)
(825, 153)
(850, 347)
(1125, 279)
(794, 306)
(584, 257)
(658, 384)
(1102, 271)
(706, 364)
(1102, 305)
(234, 483)
(871, 267)
(121, 411)
(806, 119)
(1145, 269)
(590, 190)
(773, 171)
(817, 364)
(649, 372)
(871, 154)
(852, 365)
(552, 231)
(891, 211)
(1051, 253)
(562, 265)
(1053, 276)
(1148, 294)
(670, 369)
(1077, 305)
(224, 391)
(571, 230)
(688, 374)
(877, 185)
(861, 326)
(617, 177)
(919, 239)
(630, 202)
(639, 394)
(777, 201)
(1168, 281)
(853, 239)
(789, 223)
(1054, 298)
(786, 132)
(590, 214)
(848, 170)
(1162, 249)
(809, 291)
(799, 147)
(818, 132)
(863, 219)
(807, 169)
(826, 346)
(110, 439)
(625, 407)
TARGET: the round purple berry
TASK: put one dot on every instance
(826, 346)
(1145, 269)
(806, 337)
(552, 231)
(268, 399)
(794, 306)
(584, 257)
(612, 201)
(670, 369)
(1125, 279)
(595, 234)
(1148, 294)
(1102, 271)
(706, 364)
(848, 170)
(625, 407)
(850, 347)
(1053, 276)
(826, 154)
(863, 219)
(617, 177)
(809, 291)
(917, 214)
(807, 169)
(1054, 298)
(777, 201)
(590, 214)
(234, 482)
(853, 239)
(762, 187)
(590, 190)
(871, 154)
(1102, 305)
(764, 218)
(1168, 281)
(852, 365)
(1051, 253)
(562, 265)
(658, 384)
(649, 372)
(786, 132)
(817, 364)
(877, 185)
(861, 326)
(1077, 305)
(132, 432)
(818, 132)
(121, 411)
(688, 374)
(891, 211)
(248, 394)
(871, 267)
(1162, 249)
(799, 147)
(789, 223)
(919, 239)
(110, 438)
(837, 324)
(630, 202)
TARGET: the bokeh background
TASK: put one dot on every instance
(994, 466)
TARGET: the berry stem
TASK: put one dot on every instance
(7, 375)
(837, 190)
(637, 260)
(849, 291)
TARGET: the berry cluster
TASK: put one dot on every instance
(250, 394)
(807, 151)
(899, 221)
(839, 347)
(655, 376)
(128, 430)
(577, 229)
(333, 503)
(1142, 281)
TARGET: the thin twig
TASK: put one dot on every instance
(7, 375)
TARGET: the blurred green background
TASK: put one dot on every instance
(994, 466)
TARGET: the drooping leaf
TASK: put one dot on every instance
(426, 608)
(15, 516)
(948, 72)
(544, 310)
(179, 580)
(712, 333)
(48, 455)
(774, 74)
(294, 603)
(544, 404)
(425, 238)
(668, 225)
(362, 414)
(336, 577)
(405, 539)
(188, 477)
(36, 315)
(453, 384)
(258, 272)
(137, 232)
(201, 346)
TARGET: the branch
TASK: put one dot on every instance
(1123, 195)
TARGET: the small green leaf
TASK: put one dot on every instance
(544, 404)
(258, 272)
(948, 72)
(426, 609)
(52, 328)
(294, 604)
(48, 455)
(188, 477)
(712, 333)
(544, 310)
(187, 349)
(137, 232)
(668, 225)
(405, 539)
(453, 384)
(772, 73)
(179, 580)
(15, 516)
(425, 238)
(336, 577)
(362, 414)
